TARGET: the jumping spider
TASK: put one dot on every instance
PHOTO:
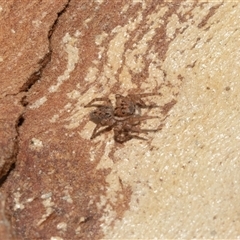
(124, 119)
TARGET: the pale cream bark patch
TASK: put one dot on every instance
(187, 183)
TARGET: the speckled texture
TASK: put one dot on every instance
(5, 226)
(182, 182)
(24, 32)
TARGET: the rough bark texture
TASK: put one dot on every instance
(182, 182)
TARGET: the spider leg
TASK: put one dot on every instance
(144, 130)
(107, 100)
(106, 129)
(134, 125)
(97, 133)
(142, 95)
(137, 119)
(126, 137)
(95, 130)
(137, 99)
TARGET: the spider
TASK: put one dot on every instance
(124, 119)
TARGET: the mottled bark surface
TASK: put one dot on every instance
(182, 182)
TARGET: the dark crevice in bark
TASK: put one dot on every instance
(20, 121)
(46, 59)
(13, 158)
(37, 74)
(4, 178)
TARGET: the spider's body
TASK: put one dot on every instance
(125, 118)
